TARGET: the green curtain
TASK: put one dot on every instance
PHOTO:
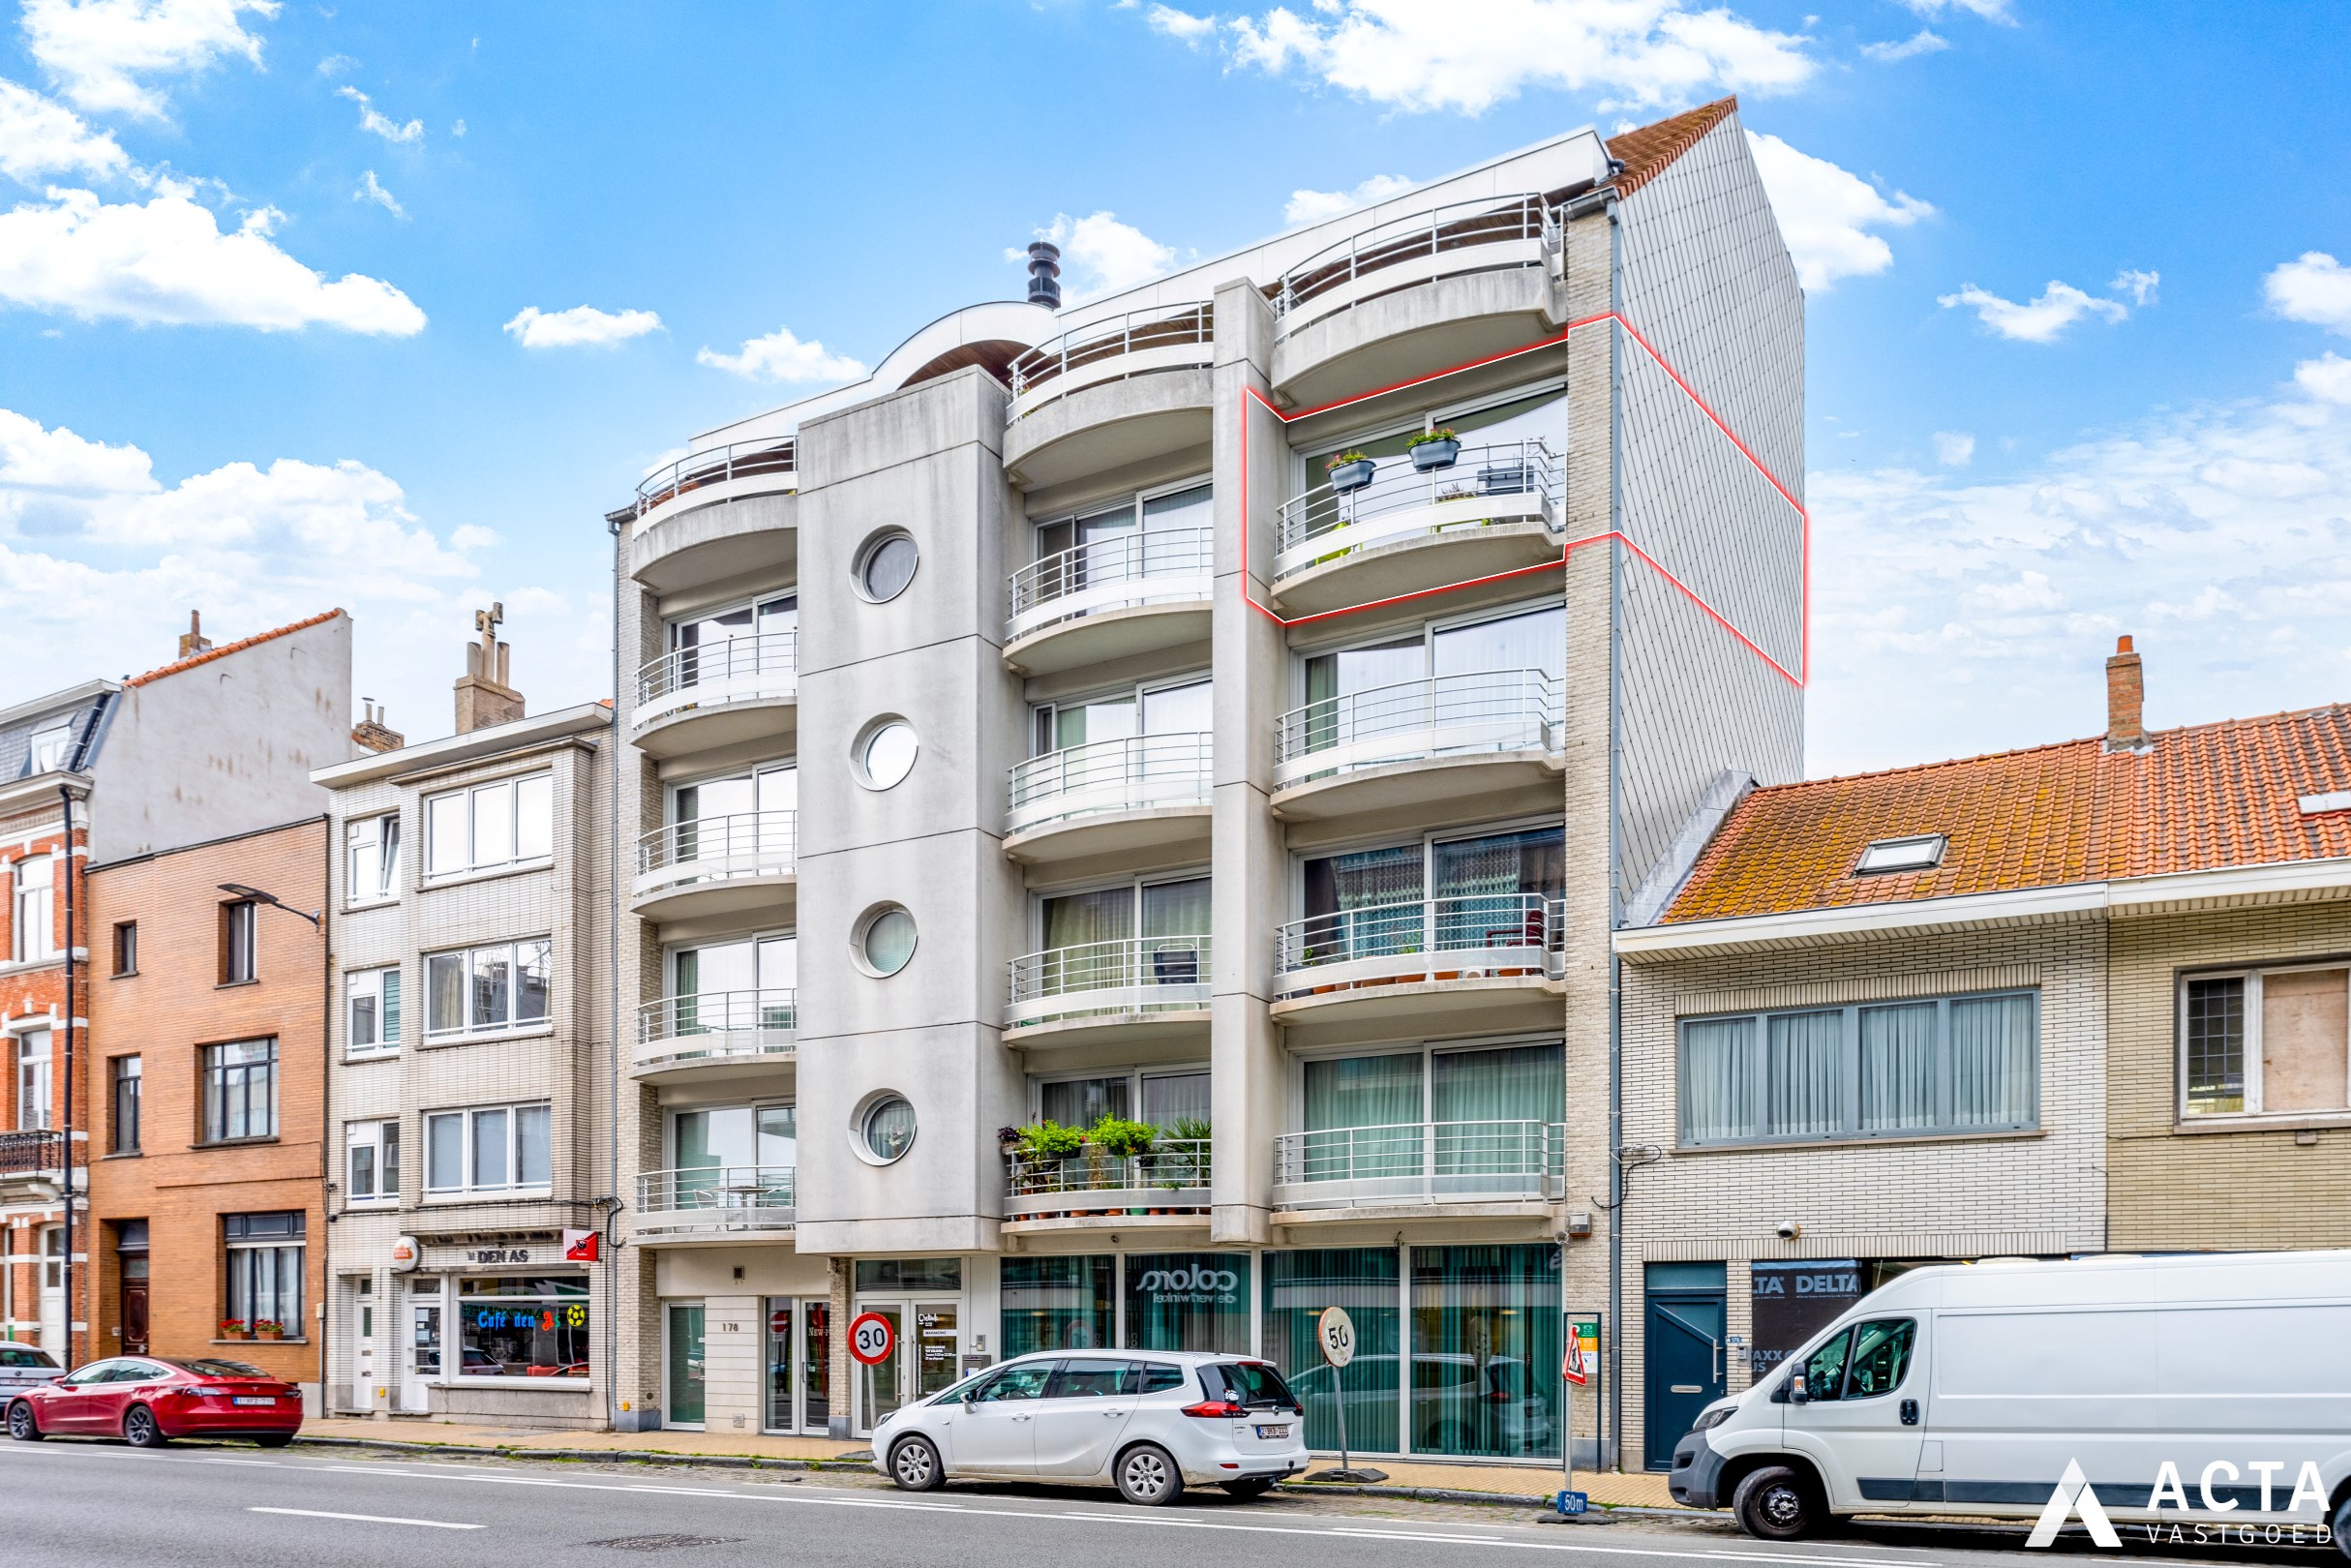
(1362, 1280)
(1058, 1303)
(1486, 1352)
(1494, 1113)
(1188, 1301)
(1362, 1116)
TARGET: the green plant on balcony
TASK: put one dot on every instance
(1121, 1139)
(1049, 1140)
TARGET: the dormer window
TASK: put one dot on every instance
(1889, 855)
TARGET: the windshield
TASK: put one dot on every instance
(209, 1366)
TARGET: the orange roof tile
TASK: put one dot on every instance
(226, 648)
(1646, 151)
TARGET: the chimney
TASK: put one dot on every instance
(484, 696)
(192, 641)
(371, 734)
(1045, 275)
(2125, 700)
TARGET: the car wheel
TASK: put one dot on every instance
(1256, 1486)
(914, 1464)
(1147, 1476)
(2342, 1528)
(140, 1429)
(1778, 1503)
(275, 1440)
(21, 1423)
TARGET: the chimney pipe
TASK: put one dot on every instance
(484, 695)
(192, 641)
(1045, 275)
(2125, 700)
(372, 734)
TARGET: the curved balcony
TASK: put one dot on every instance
(1418, 742)
(1496, 508)
(1169, 1185)
(714, 1035)
(1110, 598)
(1421, 1164)
(1115, 348)
(1111, 795)
(1111, 394)
(719, 473)
(713, 1203)
(693, 699)
(716, 865)
(1111, 991)
(1477, 960)
(1483, 235)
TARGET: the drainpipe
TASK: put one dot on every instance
(1617, 1184)
(612, 934)
(64, 798)
(322, 1313)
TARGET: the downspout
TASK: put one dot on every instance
(328, 1142)
(1617, 1184)
(612, 934)
(64, 798)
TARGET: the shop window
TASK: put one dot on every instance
(1058, 1303)
(1485, 1351)
(1188, 1301)
(2266, 1041)
(517, 1327)
(1365, 1280)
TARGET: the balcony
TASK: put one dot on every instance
(716, 865)
(1496, 508)
(32, 1163)
(1420, 1165)
(694, 699)
(1132, 594)
(1136, 987)
(1142, 791)
(1111, 393)
(1168, 1187)
(716, 516)
(719, 473)
(714, 1035)
(720, 1203)
(1418, 743)
(1396, 253)
(1475, 961)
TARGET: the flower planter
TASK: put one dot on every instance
(1352, 476)
(1430, 454)
(270, 1334)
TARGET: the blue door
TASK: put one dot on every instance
(1683, 1363)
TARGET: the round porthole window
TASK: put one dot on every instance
(885, 752)
(886, 1130)
(884, 940)
(885, 564)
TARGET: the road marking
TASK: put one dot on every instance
(367, 1519)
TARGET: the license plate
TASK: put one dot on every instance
(253, 1398)
(1273, 1432)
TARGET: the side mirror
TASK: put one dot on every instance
(1796, 1391)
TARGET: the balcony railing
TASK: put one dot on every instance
(1462, 236)
(1163, 337)
(720, 464)
(1134, 975)
(1486, 710)
(716, 848)
(1420, 1162)
(716, 1199)
(1468, 937)
(1138, 774)
(716, 1026)
(1502, 482)
(1173, 1175)
(735, 669)
(29, 1154)
(1156, 567)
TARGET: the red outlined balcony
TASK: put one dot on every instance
(1131, 988)
(1419, 742)
(1110, 393)
(717, 865)
(1167, 1187)
(1421, 1165)
(1135, 593)
(1107, 796)
(693, 699)
(687, 537)
(715, 1035)
(1496, 508)
(714, 1203)
(1473, 961)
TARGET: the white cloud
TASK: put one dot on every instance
(98, 50)
(167, 261)
(372, 190)
(40, 136)
(1827, 213)
(2312, 287)
(1954, 448)
(1313, 206)
(2139, 286)
(2327, 378)
(1469, 55)
(458, 130)
(580, 326)
(1991, 11)
(1101, 255)
(1925, 41)
(780, 356)
(335, 64)
(377, 123)
(2041, 321)
(1180, 24)
(32, 457)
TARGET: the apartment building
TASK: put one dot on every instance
(216, 743)
(469, 1062)
(1204, 738)
(2081, 997)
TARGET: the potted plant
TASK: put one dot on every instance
(1349, 470)
(234, 1328)
(1438, 448)
(265, 1328)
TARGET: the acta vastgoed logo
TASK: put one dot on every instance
(2076, 1497)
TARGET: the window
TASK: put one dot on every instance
(1481, 1120)
(487, 990)
(241, 1091)
(885, 564)
(1968, 1064)
(1861, 1362)
(1487, 890)
(123, 1072)
(745, 824)
(372, 866)
(1920, 854)
(1176, 1103)
(49, 745)
(240, 924)
(884, 941)
(1182, 708)
(2266, 1041)
(1136, 933)
(886, 1130)
(884, 753)
(126, 947)
(33, 932)
(1166, 534)
(372, 1000)
(33, 1080)
(1485, 684)
(490, 1149)
(755, 642)
(522, 1327)
(265, 1253)
(508, 823)
(374, 1164)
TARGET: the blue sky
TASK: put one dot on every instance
(2077, 329)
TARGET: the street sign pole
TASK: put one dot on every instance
(1335, 1331)
(1338, 1388)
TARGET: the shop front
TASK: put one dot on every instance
(742, 1340)
(506, 1330)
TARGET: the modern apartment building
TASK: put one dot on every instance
(469, 1065)
(1203, 738)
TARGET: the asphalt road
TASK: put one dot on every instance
(82, 1503)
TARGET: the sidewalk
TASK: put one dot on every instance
(1637, 1491)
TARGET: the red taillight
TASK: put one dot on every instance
(1216, 1411)
(1498, 1397)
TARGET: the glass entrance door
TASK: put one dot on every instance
(925, 1348)
(882, 1387)
(685, 1365)
(421, 1362)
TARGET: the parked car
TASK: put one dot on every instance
(1148, 1423)
(147, 1401)
(1460, 1405)
(21, 1365)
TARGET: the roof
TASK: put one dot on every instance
(2200, 797)
(226, 648)
(1645, 152)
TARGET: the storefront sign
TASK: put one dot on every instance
(497, 1255)
(581, 1245)
(1199, 1282)
(406, 1253)
(1792, 1301)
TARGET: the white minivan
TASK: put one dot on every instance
(2206, 1390)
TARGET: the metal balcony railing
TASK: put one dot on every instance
(1462, 236)
(31, 1153)
(715, 1198)
(712, 849)
(739, 461)
(1137, 774)
(1420, 1162)
(1518, 481)
(737, 668)
(1132, 975)
(1484, 710)
(1160, 337)
(1173, 1167)
(1156, 566)
(1467, 937)
(716, 1026)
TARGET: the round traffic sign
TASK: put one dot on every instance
(779, 1321)
(870, 1338)
(1338, 1334)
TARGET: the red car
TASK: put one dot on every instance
(148, 1401)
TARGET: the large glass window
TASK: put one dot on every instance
(1476, 891)
(2266, 1041)
(508, 823)
(522, 1327)
(748, 639)
(1058, 1303)
(687, 1363)
(33, 1080)
(1147, 536)
(746, 821)
(372, 1149)
(1179, 707)
(1452, 686)
(487, 1149)
(488, 990)
(264, 1268)
(731, 1156)
(32, 927)
(372, 999)
(750, 983)
(241, 1091)
(1485, 1351)
(1188, 1301)
(1466, 1120)
(1299, 1286)
(1135, 934)
(372, 858)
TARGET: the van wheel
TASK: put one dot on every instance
(914, 1464)
(1779, 1503)
(1147, 1475)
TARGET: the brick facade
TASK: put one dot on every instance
(33, 998)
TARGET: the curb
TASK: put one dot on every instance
(1455, 1494)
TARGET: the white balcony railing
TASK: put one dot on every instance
(714, 1200)
(1520, 481)
(1134, 975)
(1486, 710)
(1420, 1162)
(735, 669)
(1173, 1175)
(1161, 337)
(1484, 235)
(717, 465)
(1138, 774)
(716, 1027)
(1468, 937)
(1156, 566)
(716, 848)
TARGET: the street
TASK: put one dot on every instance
(82, 1504)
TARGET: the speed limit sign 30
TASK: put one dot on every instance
(870, 1338)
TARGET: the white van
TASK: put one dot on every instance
(2209, 1391)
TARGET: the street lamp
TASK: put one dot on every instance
(260, 897)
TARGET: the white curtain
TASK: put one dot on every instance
(1994, 1061)
(1897, 1068)
(1806, 1075)
(1717, 1080)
